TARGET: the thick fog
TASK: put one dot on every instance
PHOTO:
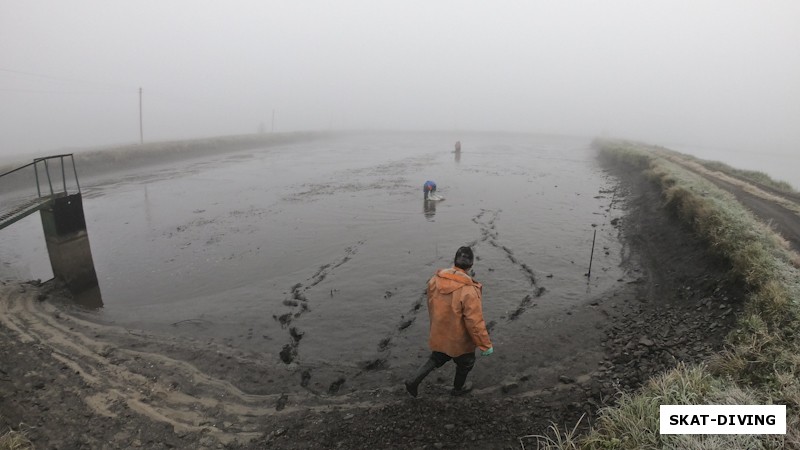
(717, 74)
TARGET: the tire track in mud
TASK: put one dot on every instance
(113, 376)
(120, 378)
(490, 235)
(299, 304)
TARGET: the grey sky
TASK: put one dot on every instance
(712, 73)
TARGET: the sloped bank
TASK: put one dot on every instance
(759, 364)
(105, 160)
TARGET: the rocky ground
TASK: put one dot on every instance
(70, 383)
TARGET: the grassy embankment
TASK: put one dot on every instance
(752, 175)
(761, 361)
(760, 178)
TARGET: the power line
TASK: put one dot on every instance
(38, 91)
(116, 87)
(71, 80)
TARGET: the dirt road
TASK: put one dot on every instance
(783, 220)
(777, 209)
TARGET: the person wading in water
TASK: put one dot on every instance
(428, 189)
(457, 325)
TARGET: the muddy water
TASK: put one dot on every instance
(317, 254)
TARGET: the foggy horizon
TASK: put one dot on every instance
(714, 74)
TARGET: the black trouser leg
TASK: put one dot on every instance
(437, 359)
(422, 372)
(464, 364)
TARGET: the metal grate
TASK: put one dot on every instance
(20, 208)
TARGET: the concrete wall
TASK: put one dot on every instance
(68, 245)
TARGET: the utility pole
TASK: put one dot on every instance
(141, 130)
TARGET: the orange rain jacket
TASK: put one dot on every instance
(454, 306)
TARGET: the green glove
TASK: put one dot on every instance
(487, 352)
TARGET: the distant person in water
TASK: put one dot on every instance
(458, 146)
(457, 325)
(428, 188)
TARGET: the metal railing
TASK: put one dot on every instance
(17, 204)
(47, 172)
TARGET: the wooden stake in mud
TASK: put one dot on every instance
(589, 275)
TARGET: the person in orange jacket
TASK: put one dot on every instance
(457, 325)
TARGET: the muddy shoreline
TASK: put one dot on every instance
(70, 383)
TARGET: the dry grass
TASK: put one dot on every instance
(760, 364)
(716, 166)
(15, 440)
(555, 439)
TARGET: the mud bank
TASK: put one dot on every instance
(68, 382)
(111, 160)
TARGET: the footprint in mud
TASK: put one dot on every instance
(524, 304)
(335, 386)
(518, 312)
(283, 319)
(288, 353)
(405, 323)
(296, 334)
(488, 233)
(281, 403)
(320, 275)
(529, 271)
(305, 378)
(384, 344)
(299, 302)
(477, 218)
(377, 364)
(297, 294)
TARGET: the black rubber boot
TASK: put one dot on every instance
(464, 389)
(461, 377)
(422, 372)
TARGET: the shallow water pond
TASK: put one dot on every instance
(321, 250)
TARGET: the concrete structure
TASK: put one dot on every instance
(68, 243)
(65, 233)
